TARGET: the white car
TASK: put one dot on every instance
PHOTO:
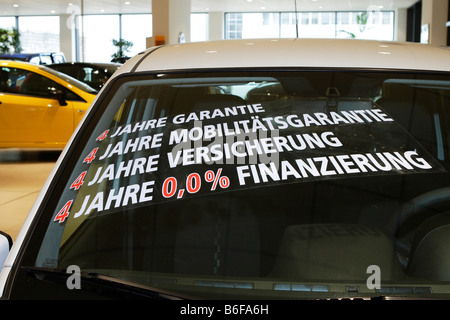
(251, 169)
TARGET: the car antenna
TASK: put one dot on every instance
(296, 18)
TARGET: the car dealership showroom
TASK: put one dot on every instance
(360, 81)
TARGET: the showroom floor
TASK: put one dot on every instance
(22, 175)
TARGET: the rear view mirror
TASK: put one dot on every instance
(60, 96)
(5, 247)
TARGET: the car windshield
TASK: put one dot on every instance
(259, 184)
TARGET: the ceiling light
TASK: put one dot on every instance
(15, 5)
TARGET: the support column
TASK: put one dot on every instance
(216, 26)
(401, 24)
(434, 17)
(67, 36)
(171, 21)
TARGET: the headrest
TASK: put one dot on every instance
(430, 248)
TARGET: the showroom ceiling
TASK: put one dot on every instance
(46, 7)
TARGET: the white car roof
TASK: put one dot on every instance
(328, 53)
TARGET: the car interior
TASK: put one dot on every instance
(314, 230)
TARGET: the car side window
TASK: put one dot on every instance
(57, 58)
(86, 74)
(98, 76)
(4, 76)
(35, 60)
(20, 81)
(46, 59)
(92, 76)
(36, 85)
(11, 79)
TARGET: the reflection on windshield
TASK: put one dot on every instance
(288, 182)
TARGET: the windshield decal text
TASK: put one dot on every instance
(232, 148)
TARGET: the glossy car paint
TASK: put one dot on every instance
(36, 122)
(327, 53)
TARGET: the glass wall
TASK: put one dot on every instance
(41, 33)
(95, 35)
(317, 25)
(136, 28)
(361, 25)
(233, 25)
(37, 33)
(199, 27)
(377, 25)
(7, 22)
(97, 44)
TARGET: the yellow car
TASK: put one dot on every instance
(39, 107)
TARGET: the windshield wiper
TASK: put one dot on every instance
(105, 284)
